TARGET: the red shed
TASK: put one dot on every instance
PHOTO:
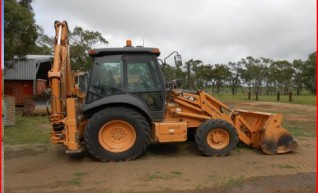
(27, 77)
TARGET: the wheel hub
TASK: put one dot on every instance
(218, 138)
(117, 136)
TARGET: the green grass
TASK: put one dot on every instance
(161, 176)
(36, 130)
(77, 178)
(283, 166)
(298, 129)
(301, 99)
(234, 181)
(28, 130)
(201, 186)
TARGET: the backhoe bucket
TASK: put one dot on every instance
(267, 134)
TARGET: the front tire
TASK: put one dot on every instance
(117, 134)
(216, 138)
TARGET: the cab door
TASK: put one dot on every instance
(144, 80)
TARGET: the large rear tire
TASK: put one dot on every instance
(117, 134)
(216, 138)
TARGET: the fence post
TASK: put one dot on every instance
(278, 96)
(290, 94)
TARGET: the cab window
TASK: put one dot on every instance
(143, 80)
(106, 77)
(142, 74)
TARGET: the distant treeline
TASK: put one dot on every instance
(255, 75)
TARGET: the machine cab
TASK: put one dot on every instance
(127, 75)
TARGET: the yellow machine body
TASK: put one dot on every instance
(184, 110)
(262, 131)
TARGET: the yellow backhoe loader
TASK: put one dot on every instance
(126, 104)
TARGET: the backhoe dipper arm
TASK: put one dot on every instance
(64, 102)
(60, 73)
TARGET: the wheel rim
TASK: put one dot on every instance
(117, 136)
(218, 138)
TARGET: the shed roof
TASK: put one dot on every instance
(39, 58)
(26, 68)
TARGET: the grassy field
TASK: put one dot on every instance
(36, 130)
(226, 95)
(28, 130)
(301, 99)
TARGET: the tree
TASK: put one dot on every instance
(254, 73)
(202, 76)
(265, 64)
(81, 41)
(235, 77)
(173, 73)
(19, 29)
(44, 43)
(191, 67)
(309, 73)
(282, 73)
(219, 75)
(23, 36)
(298, 78)
(26, 4)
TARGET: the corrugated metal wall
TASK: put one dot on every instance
(20, 77)
(21, 70)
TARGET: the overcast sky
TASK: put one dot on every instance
(214, 31)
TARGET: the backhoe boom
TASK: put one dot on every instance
(64, 104)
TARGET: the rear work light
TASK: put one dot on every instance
(128, 43)
(155, 51)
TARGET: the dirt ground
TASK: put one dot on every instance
(168, 168)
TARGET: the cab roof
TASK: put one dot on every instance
(124, 50)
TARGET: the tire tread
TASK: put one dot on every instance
(108, 111)
(200, 137)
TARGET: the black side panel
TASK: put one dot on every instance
(121, 100)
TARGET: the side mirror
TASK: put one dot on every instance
(178, 60)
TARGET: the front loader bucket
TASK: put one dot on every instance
(267, 134)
